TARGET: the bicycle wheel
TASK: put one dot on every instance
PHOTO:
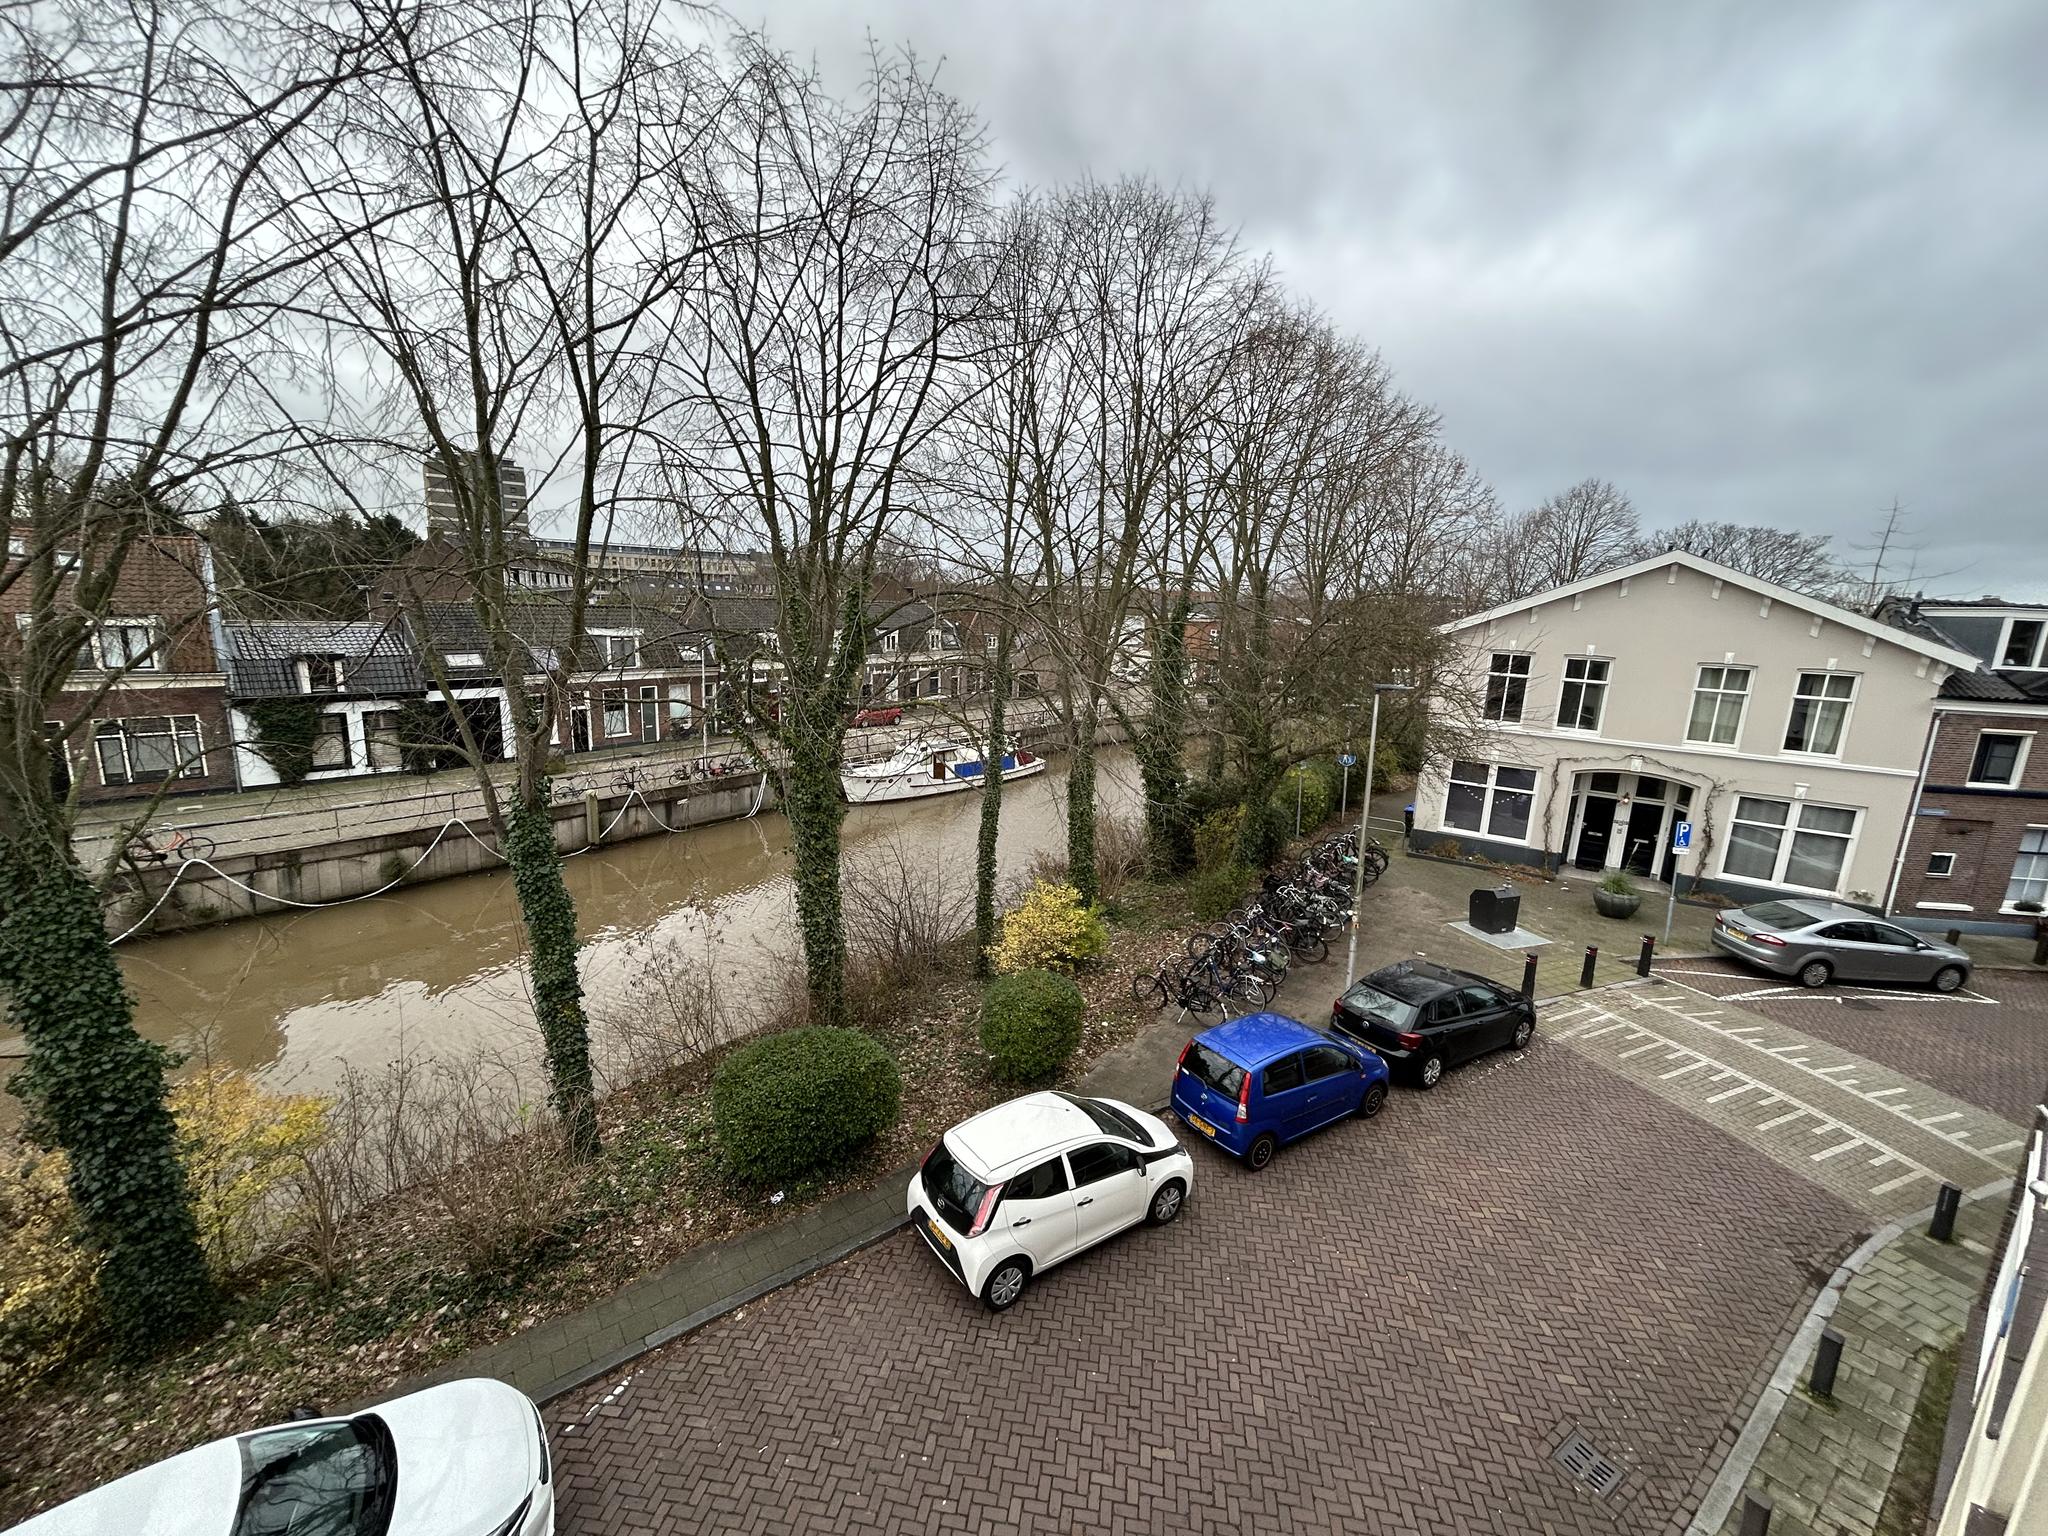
(1148, 991)
(195, 845)
(1312, 947)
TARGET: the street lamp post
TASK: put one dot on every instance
(1372, 753)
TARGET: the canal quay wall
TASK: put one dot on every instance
(318, 845)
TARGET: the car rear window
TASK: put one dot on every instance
(955, 1193)
(1108, 1118)
(1206, 1066)
(1778, 914)
(1369, 999)
(333, 1478)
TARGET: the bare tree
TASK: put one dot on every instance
(1580, 531)
(1801, 561)
(821, 340)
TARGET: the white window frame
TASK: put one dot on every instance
(1792, 710)
(1508, 678)
(340, 664)
(1722, 693)
(2009, 903)
(1795, 810)
(2039, 659)
(463, 658)
(152, 659)
(1947, 870)
(1582, 682)
(989, 644)
(891, 641)
(2019, 763)
(190, 765)
(605, 709)
(1491, 790)
(604, 639)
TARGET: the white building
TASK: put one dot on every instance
(1585, 722)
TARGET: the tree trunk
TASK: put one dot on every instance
(550, 915)
(991, 810)
(1081, 803)
(1161, 742)
(811, 800)
(95, 1088)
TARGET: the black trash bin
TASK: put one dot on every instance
(1495, 909)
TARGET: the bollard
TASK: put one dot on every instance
(1955, 935)
(1826, 1361)
(1529, 977)
(1586, 970)
(1407, 820)
(1943, 1227)
(1756, 1515)
(1643, 959)
(593, 823)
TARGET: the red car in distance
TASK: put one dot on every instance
(879, 714)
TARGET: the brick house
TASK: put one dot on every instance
(1976, 845)
(145, 707)
(356, 677)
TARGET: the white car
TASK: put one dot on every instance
(1013, 1191)
(467, 1458)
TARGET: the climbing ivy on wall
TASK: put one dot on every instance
(285, 732)
(550, 914)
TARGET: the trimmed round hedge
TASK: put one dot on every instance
(802, 1101)
(1030, 1024)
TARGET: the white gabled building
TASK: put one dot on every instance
(1586, 721)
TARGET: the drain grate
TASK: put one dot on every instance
(1587, 1465)
(1860, 1004)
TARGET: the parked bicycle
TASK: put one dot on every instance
(159, 845)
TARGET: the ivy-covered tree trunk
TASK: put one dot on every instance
(812, 802)
(95, 1088)
(1161, 745)
(550, 915)
(991, 808)
(1081, 802)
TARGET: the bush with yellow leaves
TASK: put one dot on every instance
(1051, 929)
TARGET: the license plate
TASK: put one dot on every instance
(1201, 1125)
(939, 1235)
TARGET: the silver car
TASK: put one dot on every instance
(1822, 941)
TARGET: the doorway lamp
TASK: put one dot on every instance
(1372, 753)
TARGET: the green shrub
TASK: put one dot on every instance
(1030, 1024)
(1051, 929)
(1315, 799)
(802, 1101)
(1216, 838)
(1215, 891)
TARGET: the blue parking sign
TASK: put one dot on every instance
(1346, 760)
(1681, 836)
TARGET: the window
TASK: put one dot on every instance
(1820, 712)
(1108, 1119)
(147, 749)
(1584, 697)
(1101, 1161)
(1779, 844)
(128, 645)
(1507, 686)
(2022, 646)
(1478, 1000)
(463, 658)
(1321, 1061)
(891, 640)
(1998, 759)
(933, 640)
(1940, 865)
(332, 1479)
(615, 722)
(1490, 798)
(618, 647)
(1207, 1067)
(330, 741)
(1049, 1178)
(2030, 871)
(546, 657)
(990, 644)
(1283, 1076)
(1717, 701)
(323, 674)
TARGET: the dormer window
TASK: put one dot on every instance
(618, 647)
(128, 645)
(892, 640)
(2023, 644)
(322, 674)
(934, 639)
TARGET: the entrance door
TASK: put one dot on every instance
(650, 713)
(1645, 829)
(1596, 826)
(579, 728)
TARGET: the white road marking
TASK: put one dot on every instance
(1624, 1056)
(1880, 1160)
(1730, 1093)
(1768, 1124)
(1900, 1182)
(1954, 1114)
(1595, 1034)
(1847, 1066)
(1821, 1157)
(1883, 1093)
(1680, 1071)
(2004, 1146)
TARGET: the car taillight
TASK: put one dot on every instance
(1409, 1042)
(1767, 938)
(1244, 1099)
(1183, 1056)
(986, 1209)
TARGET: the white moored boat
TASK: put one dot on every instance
(922, 768)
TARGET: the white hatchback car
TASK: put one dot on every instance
(1013, 1191)
(466, 1458)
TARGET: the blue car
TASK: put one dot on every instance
(1253, 1083)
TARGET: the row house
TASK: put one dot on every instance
(357, 678)
(144, 710)
(1975, 854)
(1582, 724)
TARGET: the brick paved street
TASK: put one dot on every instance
(1389, 1330)
(1990, 1053)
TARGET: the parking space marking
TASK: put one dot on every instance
(1769, 1124)
(1731, 1093)
(2005, 1146)
(1624, 1056)
(1883, 1093)
(1900, 1182)
(1821, 1157)
(1681, 1071)
(1753, 994)
(1954, 1114)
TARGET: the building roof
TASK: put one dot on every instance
(1944, 651)
(1979, 684)
(666, 642)
(262, 655)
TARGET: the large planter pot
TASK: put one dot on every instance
(1617, 903)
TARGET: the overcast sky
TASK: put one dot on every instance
(1773, 264)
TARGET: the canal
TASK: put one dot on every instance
(437, 970)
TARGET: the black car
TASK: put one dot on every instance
(1423, 1017)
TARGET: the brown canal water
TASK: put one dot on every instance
(438, 970)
